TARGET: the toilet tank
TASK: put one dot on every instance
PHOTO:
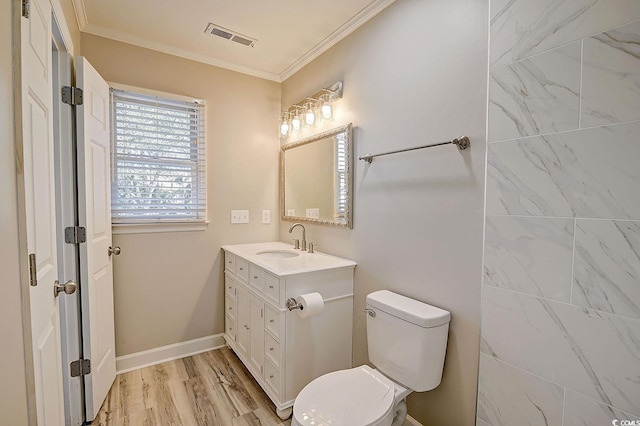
(407, 339)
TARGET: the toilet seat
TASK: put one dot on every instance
(359, 396)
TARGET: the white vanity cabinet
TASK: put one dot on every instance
(283, 351)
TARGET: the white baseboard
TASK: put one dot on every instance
(162, 354)
(410, 421)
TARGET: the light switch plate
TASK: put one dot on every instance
(239, 216)
(266, 216)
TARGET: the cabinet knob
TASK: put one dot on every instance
(271, 376)
(271, 349)
(271, 321)
(270, 287)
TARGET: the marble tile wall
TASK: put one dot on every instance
(560, 339)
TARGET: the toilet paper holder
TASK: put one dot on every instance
(292, 304)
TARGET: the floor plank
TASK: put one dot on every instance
(209, 389)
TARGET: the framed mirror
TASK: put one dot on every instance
(316, 179)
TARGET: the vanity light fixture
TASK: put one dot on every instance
(314, 107)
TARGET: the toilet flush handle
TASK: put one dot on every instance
(371, 312)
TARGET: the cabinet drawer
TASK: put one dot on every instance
(272, 321)
(272, 288)
(230, 262)
(229, 287)
(272, 377)
(272, 349)
(230, 308)
(242, 269)
(256, 278)
(230, 328)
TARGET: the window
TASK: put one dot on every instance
(159, 159)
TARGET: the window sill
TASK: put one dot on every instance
(152, 228)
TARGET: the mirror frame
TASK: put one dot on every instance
(348, 223)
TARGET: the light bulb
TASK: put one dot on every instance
(296, 123)
(310, 117)
(327, 111)
(284, 128)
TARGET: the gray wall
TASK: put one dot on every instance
(561, 296)
(13, 390)
(168, 287)
(415, 74)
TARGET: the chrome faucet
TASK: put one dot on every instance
(303, 245)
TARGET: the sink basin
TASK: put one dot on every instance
(278, 254)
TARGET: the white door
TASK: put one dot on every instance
(38, 155)
(94, 213)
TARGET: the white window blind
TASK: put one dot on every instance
(159, 159)
(341, 176)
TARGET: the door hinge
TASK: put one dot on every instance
(25, 8)
(81, 367)
(75, 234)
(33, 270)
(72, 95)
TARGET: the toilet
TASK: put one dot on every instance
(407, 344)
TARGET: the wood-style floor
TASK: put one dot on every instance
(209, 389)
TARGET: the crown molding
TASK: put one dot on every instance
(341, 33)
(163, 48)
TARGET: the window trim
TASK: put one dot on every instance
(160, 226)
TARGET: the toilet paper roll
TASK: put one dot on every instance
(310, 304)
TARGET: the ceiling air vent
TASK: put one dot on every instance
(227, 34)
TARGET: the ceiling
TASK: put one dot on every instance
(289, 33)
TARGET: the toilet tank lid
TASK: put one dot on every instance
(407, 309)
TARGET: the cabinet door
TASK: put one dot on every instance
(243, 321)
(257, 334)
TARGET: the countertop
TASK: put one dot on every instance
(305, 262)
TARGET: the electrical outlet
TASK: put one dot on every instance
(291, 212)
(266, 216)
(239, 216)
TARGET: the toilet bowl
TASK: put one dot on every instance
(359, 396)
(407, 342)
